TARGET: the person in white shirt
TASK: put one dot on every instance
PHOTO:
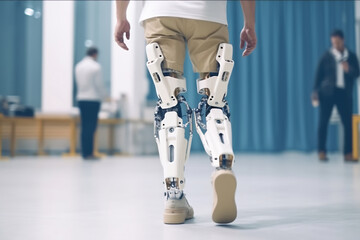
(336, 73)
(90, 93)
(169, 27)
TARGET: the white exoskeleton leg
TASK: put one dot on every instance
(170, 124)
(213, 115)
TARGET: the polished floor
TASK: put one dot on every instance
(280, 196)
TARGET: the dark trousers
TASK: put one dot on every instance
(89, 111)
(343, 103)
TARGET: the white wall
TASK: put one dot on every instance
(128, 73)
(357, 10)
(128, 68)
(57, 66)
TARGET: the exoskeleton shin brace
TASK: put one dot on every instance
(170, 125)
(213, 115)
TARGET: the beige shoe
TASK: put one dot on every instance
(224, 185)
(177, 210)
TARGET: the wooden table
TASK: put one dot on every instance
(45, 127)
(111, 122)
(38, 128)
(55, 127)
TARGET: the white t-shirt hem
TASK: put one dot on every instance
(188, 16)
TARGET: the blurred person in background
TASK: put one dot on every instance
(336, 73)
(90, 93)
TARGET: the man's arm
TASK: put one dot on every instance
(248, 34)
(99, 85)
(318, 79)
(122, 25)
(352, 67)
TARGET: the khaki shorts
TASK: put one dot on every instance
(202, 37)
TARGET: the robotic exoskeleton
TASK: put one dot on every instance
(173, 131)
(213, 115)
(169, 126)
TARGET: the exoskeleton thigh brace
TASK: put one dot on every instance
(213, 115)
(167, 88)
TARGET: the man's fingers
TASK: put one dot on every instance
(242, 43)
(121, 43)
(120, 40)
(248, 50)
(250, 46)
(123, 46)
(246, 53)
(119, 37)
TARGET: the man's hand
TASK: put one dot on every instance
(345, 66)
(122, 27)
(315, 99)
(248, 36)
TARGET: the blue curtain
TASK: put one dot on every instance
(269, 91)
(21, 51)
(93, 27)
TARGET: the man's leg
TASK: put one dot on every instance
(85, 129)
(326, 106)
(214, 127)
(211, 56)
(165, 53)
(173, 145)
(344, 106)
(94, 108)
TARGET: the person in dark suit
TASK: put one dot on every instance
(336, 73)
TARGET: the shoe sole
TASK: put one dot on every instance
(177, 216)
(224, 184)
